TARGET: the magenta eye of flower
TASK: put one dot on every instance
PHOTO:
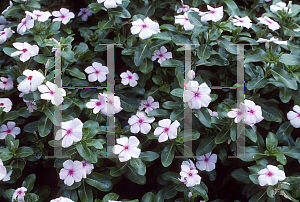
(197, 94)
(269, 174)
(51, 92)
(2, 33)
(251, 111)
(68, 131)
(144, 26)
(140, 121)
(38, 15)
(239, 113)
(147, 105)
(62, 16)
(98, 103)
(269, 22)
(299, 115)
(8, 131)
(190, 174)
(186, 19)
(126, 147)
(24, 50)
(130, 77)
(241, 21)
(110, 102)
(212, 12)
(4, 82)
(30, 77)
(97, 72)
(71, 172)
(206, 159)
(24, 23)
(160, 55)
(84, 12)
(166, 129)
(1, 104)
(20, 192)
(84, 164)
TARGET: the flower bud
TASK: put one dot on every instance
(191, 74)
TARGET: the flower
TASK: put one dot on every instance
(6, 34)
(31, 83)
(207, 162)
(238, 114)
(294, 117)
(61, 199)
(10, 5)
(190, 164)
(26, 50)
(2, 170)
(184, 21)
(270, 175)
(184, 8)
(140, 122)
(215, 14)
(9, 129)
(191, 74)
(63, 15)
(280, 6)
(189, 176)
(253, 113)
(96, 72)
(50, 91)
(213, 113)
(7, 176)
(84, 14)
(71, 132)
(242, 22)
(72, 171)
(112, 102)
(6, 103)
(6, 84)
(39, 15)
(31, 106)
(149, 104)
(146, 28)
(26, 23)
(19, 194)
(273, 39)
(86, 168)
(127, 148)
(110, 3)
(197, 96)
(166, 130)
(162, 55)
(97, 104)
(3, 22)
(129, 78)
(268, 21)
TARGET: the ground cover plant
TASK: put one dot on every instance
(137, 100)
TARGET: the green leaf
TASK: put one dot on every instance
(204, 117)
(9, 51)
(232, 8)
(168, 27)
(99, 181)
(93, 128)
(241, 175)
(229, 46)
(271, 141)
(34, 5)
(5, 154)
(222, 136)
(195, 19)
(204, 52)
(86, 153)
(29, 182)
(95, 7)
(76, 72)
(24, 151)
(141, 52)
(185, 150)
(180, 39)
(281, 158)
(85, 193)
(148, 197)
(148, 156)
(187, 135)
(199, 189)
(68, 55)
(165, 88)
(285, 94)
(31, 197)
(135, 177)
(159, 113)
(170, 191)
(170, 105)
(178, 92)
(206, 145)
(167, 155)
(157, 79)
(177, 114)
(55, 26)
(256, 83)
(44, 126)
(31, 127)
(260, 196)
(50, 114)
(270, 113)
(40, 58)
(291, 151)
(249, 132)
(11, 10)
(110, 196)
(162, 36)
(121, 12)
(117, 170)
(11, 115)
(146, 66)
(97, 143)
(283, 76)
(284, 131)
(138, 165)
(172, 63)
(289, 59)
(43, 192)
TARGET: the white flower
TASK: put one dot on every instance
(3, 171)
(6, 34)
(190, 194)
(31, 83)
(197, 96)
(86, 168)
(191, 74)
(26, 50)
(84, 14)
(184, 21)
(189, 176)
(9, 129)
(215, 14)
(184, 8)
(110, 3)
(39, 15)
(162, 54)
(32, 106)
(166, 130)
(7, 177)
(253, 113)
(3, 22)
(96, 72)
(61, 199)
(71, 132)
(10, 5)
(129, 78)
(213, 113)
(26, 23)
(50, 91)
(19, 194)
(238, 114)
(149, 104)
(207, 162)
(294, 117)
(270, 175)
(146, 28)
(140, 122)
(279, 7)
(6, 83)
(242, 22)
(111, 102)
(274, 40)
(268, 21)
(6, 103)
(63, 15)
(97, 104)
(72, 171)
(127, 148)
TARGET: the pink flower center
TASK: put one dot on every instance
(141, 121)
(239, 113)
(2, 33)
(269, 174)
(191, 168)
(252, 111)
(68, 132)
(24, 50)
(38, 15)
(30, 77)
(147, 105)
(62, 16)
(241, 21)
(129, 77)
(20, 192)
(71, 171)
(110, 102)
(190, 174)
(197, 94)
(144, 26)
(1, 104)
(126, 147)
(160, 55)
(84, 12)
(97, 72)
(4, 82)
(186, 19)
(24, 23)
(212, 12)
(298, 114)
(83, 164)
(206, 159)
(269, 22)
(184, 6)
(98, 103)
(8, 131)
(166, 129)
(51, 92)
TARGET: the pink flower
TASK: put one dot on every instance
(207, 162)
(273, 39)
(191, 74)
(162, 55)
(215, 14)
(213, 113)
(242, 22)
(140, 122)
(84, 14)
(190, 164)
(268, 21)
(197, 96)
(166, 130)
(280, 6)
(63, 15)
(86, 168)
(39, 15)
(97, 72)
(113, 104)
(6, 84)
(32, 106)
(19, 194)
(253, 113)
(127, 148)
(31, 83)
(184, 21)
(97, 104)
(189, 176)
(149, 104)
(6, 34)
(26, 23)
(6, 103)
(294, 117)
(146, 28)
(270, 175)
(50, 91)
(238, 114)
(72, 171)
(3, 170)
(26, 50)
(9, 129)
(184, 8)
(129, 78)
(10, 5)
(71, 132)
(61, 199)
(3, 22)
(110, 3)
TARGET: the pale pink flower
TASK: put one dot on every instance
(3, 22)
(26, 50)
(6, 83)
(273, 40)
(129, 78)
(63, 15)
(146, 28)
(190, 164)
(72, 171)
(7, 177)
(39, 15)
(213, 113)
(61, 199)
(9, 129)
(71, 132)
(10, 5)
(110, 3)
(97, 104)
(32, 106)
(238, 114)
(207, 162)
(294, 117)
(140, 122)
(127, 148)
(268, 21)
(270, 175)
(166, 130)
(96, 72)
(191, 74)
(6, 34)
(184, 8)
(86, 168)
(280, 6)
(112, 102)
(197, 96)
(26, 23)
(189, 176)
(184, 21)
(19, 194)
(242, 22)
(31, 83)
(84, 14)
(149, 104)
(3, 170)
(50, 91)
(253, 113)
(162, 54)
(215, 14)
(6, 103)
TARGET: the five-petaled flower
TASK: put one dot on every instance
(6, 83)
(86, 168)
(162, 54)
(50, 91)
(31, 83)
(197, 96)
(110, 3)
(3, 170)
(146, 28)
(71, 171)
(71, 132)
(273, 40)
(129, 78)
(238, 114)
(149, 104)
(25, 50)
(19, 194)
(189, 176)
(280, 6)
(184, 8)
(294, 117)
(9, 129)
(213, 113)
(127, 148)
(84, 14)
(63, 15)
(140, 122)
(62, 199)
(39, 15)
(270, 175)
(253, 113)
(184, 21)
(6, 103)
(215, 14)
(242, 22)
(269, 22)
(26, 23)
(207, 162)
(166, 130)
(97, 104)
(5, 34)
(113, 104)
(96, 72)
